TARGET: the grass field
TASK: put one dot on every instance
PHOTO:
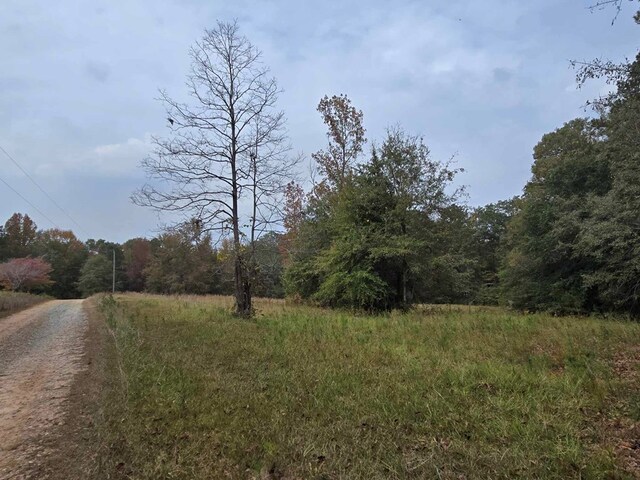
(12, 302)
(306, 393)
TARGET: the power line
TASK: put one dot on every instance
(42, 189)
(32, 205)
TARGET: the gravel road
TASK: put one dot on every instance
(40, 353)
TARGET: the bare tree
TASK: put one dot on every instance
(227, 145)
(613, 73)
(617, 4)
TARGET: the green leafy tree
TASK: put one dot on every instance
(67, 255)
(488, 245)
(20, 233)
(544, 268)
(182, 261)
(611, 234)
(574, 245)
(96, 275)
(366, 245)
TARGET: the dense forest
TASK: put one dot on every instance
(382, 224)
(392, 230)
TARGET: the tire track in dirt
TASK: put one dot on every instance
(40, 354)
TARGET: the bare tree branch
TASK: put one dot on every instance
(227, 146)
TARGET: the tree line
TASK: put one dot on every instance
(390, 229)
(380, 225)
(178, 261)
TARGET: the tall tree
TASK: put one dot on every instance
(370, 248)
(209, 163)
(66, 254)
(137, 254)
(20, 234)
(345, 133)
(574, 244)
(96, 276)
(544, 268)
(610, 236)
(420, 188)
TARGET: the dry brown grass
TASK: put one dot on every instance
(13, 302)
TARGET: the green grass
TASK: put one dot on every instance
(12, 302)
(307, 393)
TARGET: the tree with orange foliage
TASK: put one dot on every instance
(346, 138)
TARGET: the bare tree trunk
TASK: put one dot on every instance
(404, 285)
(243, 292)
(243, 288)
(254, 215)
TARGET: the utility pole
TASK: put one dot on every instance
(113, 285)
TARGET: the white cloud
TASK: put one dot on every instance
(120, 158)
(110, 160)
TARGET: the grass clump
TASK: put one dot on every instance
(308, 393)
(13, 302)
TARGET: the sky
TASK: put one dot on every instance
(480, 80)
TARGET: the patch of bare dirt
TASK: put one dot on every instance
(40, 354)
(74, 447)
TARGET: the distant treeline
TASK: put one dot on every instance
(179, 261)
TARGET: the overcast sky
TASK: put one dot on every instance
(483, 79)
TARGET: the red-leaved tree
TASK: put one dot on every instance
(21, 274)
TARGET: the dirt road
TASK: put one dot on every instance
(40, 354)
